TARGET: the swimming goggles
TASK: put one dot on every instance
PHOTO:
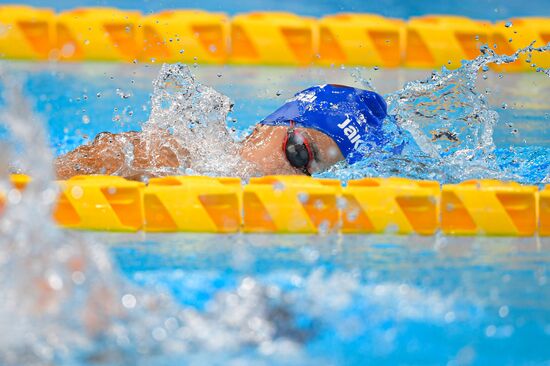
(298, 150)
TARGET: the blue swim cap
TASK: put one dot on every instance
(351, 117)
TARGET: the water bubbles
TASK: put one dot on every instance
(310, 255)
(85, 119)
(450, 317)
(508, 24)
(324, 227)
(122, 94)
(278, 93)
(303, 197)
(352, 214)
(341, 203)
(77, 192)
(503, 311)
(246, 286)
(490, 331)
(78, 277)
(98, 95)
(159, 334)
(129, 301)
(55, 281)
(68, 49)
(319, 205)
(278, 186)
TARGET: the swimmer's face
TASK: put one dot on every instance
(264, 150)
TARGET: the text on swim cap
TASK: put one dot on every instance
(351, 132)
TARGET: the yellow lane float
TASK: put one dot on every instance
(264, 38)
(489, 207)
(197, 204)
(273, 38)
(361, 39)
(185, 36)
(98, 34)
(544, 215)
(291, 204)
(394, 205)
(100, 203)
(435, 41)
(26, 33)
(299, 204)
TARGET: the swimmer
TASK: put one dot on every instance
(317, 128)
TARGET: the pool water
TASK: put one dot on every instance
(368, 299)
(80, 100)
(489, 9)
(323, 300)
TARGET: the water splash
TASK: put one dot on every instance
(450, 125)
(195, 115)
(62, 301)
(58, 291)
(70, 303)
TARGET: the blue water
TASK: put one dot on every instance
(340, 300)
(484, 9)
(357, 300)
(80, 100)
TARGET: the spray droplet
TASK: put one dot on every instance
(129, 301)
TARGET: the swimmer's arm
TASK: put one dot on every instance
(104, 155)
(127, 154)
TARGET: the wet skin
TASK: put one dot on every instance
(132, 156)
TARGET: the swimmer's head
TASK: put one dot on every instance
(266, 151)
(351, 117)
